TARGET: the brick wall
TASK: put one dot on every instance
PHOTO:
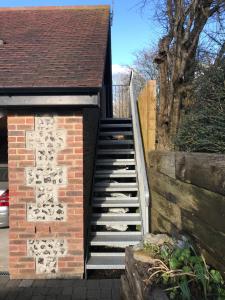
(45, 159)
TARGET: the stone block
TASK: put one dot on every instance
(46, 253)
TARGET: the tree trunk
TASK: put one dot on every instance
(176, 60)
(163, 120)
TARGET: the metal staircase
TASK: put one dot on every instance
(119, 208)
(115, 202)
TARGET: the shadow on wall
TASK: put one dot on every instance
(91, 122)
(3, 140)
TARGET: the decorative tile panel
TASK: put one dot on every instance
(46, 212)
(46, 140)
(46, 254)
(42, 176)
(46, 194)
(46, 177)
(47, 207)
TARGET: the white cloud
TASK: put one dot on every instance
(119, 69)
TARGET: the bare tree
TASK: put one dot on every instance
(184, 21)
(144, 67)
(144, 63)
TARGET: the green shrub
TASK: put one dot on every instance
(183, 274)
(203, 125)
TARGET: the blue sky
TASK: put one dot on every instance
(131, 30)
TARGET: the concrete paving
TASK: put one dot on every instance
(4, 249)
(64, 289)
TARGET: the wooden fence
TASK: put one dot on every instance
(147, 113)
(188, 195)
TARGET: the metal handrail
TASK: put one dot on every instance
(144, 194)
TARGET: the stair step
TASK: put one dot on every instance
(115, 184)
(121, 233)
(115, 215)
(115, 198)
(116, 142)
(116, 172)
(106, 261)
(117, 240)
(106, 133)
(117, 188)
(115, 203)
(103, 120)
(116, 125)
(112, 219)
(115, 162)
(115, 151)
(116, 175)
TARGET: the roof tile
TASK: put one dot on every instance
(53, 46)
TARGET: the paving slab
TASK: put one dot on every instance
(67, 290)
(39, 283)
(51, 297)
(56, 289)
(26, 283)
(106, 283)
(93, 293)
(106, 294)
(38, 297)
(93, 284)
(80, 293)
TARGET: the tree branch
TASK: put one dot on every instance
(220, 55)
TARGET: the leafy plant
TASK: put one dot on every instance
(203, 124)
(183, 274)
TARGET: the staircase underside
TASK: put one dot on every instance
(115, 221)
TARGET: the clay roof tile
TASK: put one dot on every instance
(53, 46)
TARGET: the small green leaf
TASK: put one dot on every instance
(195, 259)
(187, 269)
(174, 263)
(216, 276)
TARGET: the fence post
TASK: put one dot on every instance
(147, 114)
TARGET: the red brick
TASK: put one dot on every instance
(21, 230)
(25, 127)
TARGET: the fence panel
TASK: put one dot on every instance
(147, 113)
